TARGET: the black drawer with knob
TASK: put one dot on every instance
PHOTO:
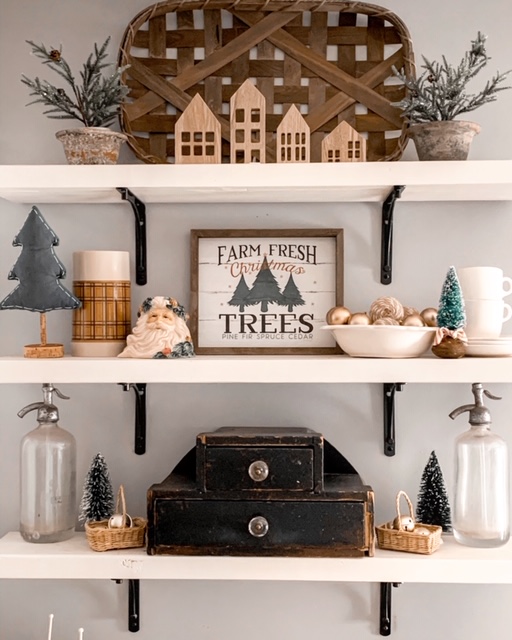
(259, 492)
(259, 458)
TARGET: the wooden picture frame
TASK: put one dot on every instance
(264, 292)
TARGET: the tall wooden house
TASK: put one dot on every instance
(197, 135)
(292, 140)
(344, 144)
(247, 124)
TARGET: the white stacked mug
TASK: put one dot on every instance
(483, 289)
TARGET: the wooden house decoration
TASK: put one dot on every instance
(292, 139)
(197, 135)
(344, 144)
(247, 124)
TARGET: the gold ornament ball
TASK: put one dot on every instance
(388, 321)
(359, 318)
(406, 521)
(338, 315)
(429, 315)
(414, 320)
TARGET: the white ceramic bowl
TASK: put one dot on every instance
(382, 341)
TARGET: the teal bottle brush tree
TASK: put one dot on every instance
(450, 340)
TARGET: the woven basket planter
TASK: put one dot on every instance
(394, 539)
(301, 53)
(102, 537)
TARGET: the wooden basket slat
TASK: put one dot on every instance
(157, 49)
(212, 42)
(345, 36)
(256, 68)
(329, 95)
(317, 90)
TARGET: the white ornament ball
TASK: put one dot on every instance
(386, 307)
(422, 531)
(338, 315)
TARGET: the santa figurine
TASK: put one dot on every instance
(160, 332)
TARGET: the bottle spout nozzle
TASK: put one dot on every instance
(30, 407)
(456, 412)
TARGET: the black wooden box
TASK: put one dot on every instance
(261, 491)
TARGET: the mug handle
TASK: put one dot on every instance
(507, 312)
(507, 290)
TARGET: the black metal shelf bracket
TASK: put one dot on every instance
(140, 389)
(133, 604)
(385, 607)
(390, 388)
(386, 254)
(141, 257)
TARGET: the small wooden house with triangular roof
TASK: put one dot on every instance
(197, 135)
(293, 138)
(247, 124)
(344, 144)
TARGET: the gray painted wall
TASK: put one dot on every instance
(428, 238)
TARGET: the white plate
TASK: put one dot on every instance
(493, 341)
(490, 349)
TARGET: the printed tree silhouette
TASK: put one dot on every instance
(98, 496)
(38, 270)
(451, 313)
(291, 295)
(432, 504)
(240, 294)
(265, 289)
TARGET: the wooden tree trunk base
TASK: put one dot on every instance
(43, 351)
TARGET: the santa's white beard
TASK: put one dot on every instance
(147, 339)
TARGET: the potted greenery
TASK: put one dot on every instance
(95, 102)
(439, 95)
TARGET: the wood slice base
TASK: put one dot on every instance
(43, 351)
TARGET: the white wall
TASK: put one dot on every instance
(428, 239)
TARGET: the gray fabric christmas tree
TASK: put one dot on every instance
(98, 496)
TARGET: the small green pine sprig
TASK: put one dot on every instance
(440, 92)
(95, 102)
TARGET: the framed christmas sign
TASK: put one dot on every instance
(260, 292)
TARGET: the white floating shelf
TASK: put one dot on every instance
(481, 180)
(73, 559)
(255, 370)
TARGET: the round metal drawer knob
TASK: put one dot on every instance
(258, 470)
(258, 527)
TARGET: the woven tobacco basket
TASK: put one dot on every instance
(301, 53)
(101, 537)
(400, 540)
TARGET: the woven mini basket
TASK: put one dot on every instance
(102, 537)
(401, 540)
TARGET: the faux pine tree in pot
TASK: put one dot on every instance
(94, 101)
(443, 92)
